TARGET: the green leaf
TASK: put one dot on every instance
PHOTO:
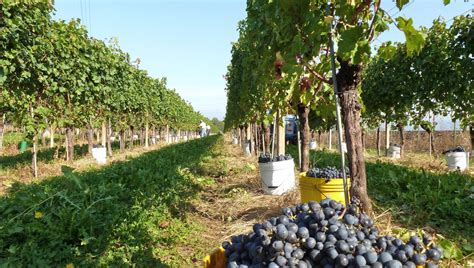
(414, 38)
(446, 2)
(401, 3)
(362, 53)
(387, 51)
(348, 42)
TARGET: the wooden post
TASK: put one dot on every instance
(387, 137)
(281, 135)
(299, 149)
(378, 141)
(35, 153)
(104, 134)
(330, 139)
(256, 139)
(2, 130)
(109, 135)
(454, 133)
(51, 137)
(273, 136)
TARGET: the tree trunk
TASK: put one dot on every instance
(130, 144)
(348, 78)
(256, 139)
(363, 139)
(43, 139)
(122, 141)
(147, 130)
(319, 138)
(471, 134)
(266, 130)
(109, 135)
(167, 133)
(70, 144)
(241, 135)
(303, 113)
(432, 143)
(34, 164)
(90, 139)
(378, 142)
(402, 138)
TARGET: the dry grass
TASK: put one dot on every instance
(236, 201)
(416, 160)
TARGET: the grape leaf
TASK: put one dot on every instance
(402, 3)
(414, 38)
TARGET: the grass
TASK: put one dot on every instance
(420, 199)
(133, 212)
(172, 206)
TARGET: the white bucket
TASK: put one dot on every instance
(100, 155)
(277, 177)
(235, 141)
(246, 148)
(344, 147)
(153, 140)
(457, 160)
(313, 145)
(394, 151)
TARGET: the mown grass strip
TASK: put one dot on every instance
(131, 212)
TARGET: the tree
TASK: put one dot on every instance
(289, 41)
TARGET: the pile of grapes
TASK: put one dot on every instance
(267, 158)
(325, 172)
(312, 235)
(458, 149)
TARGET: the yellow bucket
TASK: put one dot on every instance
(215, 260)
(318, 189)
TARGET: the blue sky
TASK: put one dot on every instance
(189, 41)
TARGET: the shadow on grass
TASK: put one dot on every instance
(115, 216)
(443, 201)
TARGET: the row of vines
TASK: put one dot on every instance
(54, 75)
(406, 89)
(282, 64)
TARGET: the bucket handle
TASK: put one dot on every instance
(319, 190)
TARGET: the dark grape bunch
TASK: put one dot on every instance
(458, 149)
(266, 158)
(312, 235)
(326, 173)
